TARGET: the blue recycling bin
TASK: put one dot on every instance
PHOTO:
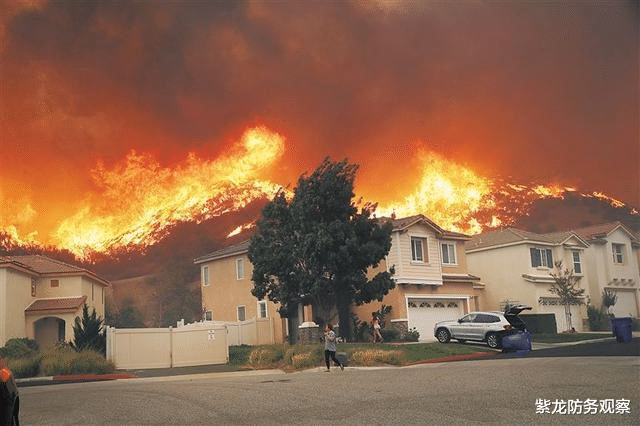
(621, 328)
(518, 341)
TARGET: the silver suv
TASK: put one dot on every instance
(480, 326)
(488, 327)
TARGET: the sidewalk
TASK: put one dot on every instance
(608, 347)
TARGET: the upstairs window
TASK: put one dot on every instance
(205, 276)
(33, 287)
(541, 257)
(239, 269)
(208, 315)
(449, 253)
(577, 264)
(55, 283)
(618, 253)
(417, 253)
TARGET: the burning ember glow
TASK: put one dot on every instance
(139, 198)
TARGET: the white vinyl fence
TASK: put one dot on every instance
(251, 332)
(195, 344)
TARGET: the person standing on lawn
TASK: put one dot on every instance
(376, 328)
(330, 347)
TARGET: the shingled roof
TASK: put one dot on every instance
(595, 232)
(509, 236)
(232, 250)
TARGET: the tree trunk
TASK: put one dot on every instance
(344, 319)
(567, 314)
(294, 323)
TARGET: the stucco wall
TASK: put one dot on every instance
(18, 297)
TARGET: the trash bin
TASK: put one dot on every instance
(342, 357)
(621, 328)
(518, 341)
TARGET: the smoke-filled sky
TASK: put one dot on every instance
(542, 92)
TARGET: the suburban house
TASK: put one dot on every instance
(225, 277)
(612, 261)
(432, 280)
(433, 283)
(41, 297)
(516, 267)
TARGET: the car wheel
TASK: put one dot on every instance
(493, 340)
(443, 336)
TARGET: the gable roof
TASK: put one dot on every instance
(402, 224)
(603, 230)
(513, 236)
(228, 251)
(43, 266)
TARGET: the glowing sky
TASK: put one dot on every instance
(543, 92)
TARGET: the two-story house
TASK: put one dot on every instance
(430, 271)
(41, 297)
(432, 280)
(516, 267)
(225, 279)
(612, 262)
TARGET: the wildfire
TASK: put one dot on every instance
(139, 198)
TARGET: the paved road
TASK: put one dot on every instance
(495, 391)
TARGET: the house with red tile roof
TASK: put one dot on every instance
(40, 298)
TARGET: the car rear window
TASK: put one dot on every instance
(485, 318)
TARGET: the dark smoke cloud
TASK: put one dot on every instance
(539, 91)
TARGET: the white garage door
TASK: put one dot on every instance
(424, 313)
(625, 304)
(561, 317)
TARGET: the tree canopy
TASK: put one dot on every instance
(317, 247)
(565, 287)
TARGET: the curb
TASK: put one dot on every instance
(72, 378)
(455, 358)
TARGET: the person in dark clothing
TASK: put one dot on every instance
(330, 347)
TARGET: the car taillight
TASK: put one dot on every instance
(5, 375)
(508, 327)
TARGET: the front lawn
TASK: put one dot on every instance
(300, 357)
(568, 337)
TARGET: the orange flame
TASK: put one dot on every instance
(139, 198)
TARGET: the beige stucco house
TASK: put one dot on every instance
(40, 298)
(432, 279)
(430, 271)
(225, 278)
(612, 260)
(516, 267)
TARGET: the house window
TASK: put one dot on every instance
(205, 276)
(55, 283)
(92, 291)
(449, 253)
(541, 257)
(241, 313)
(577, 265)
(208, 315)
(618, 253)
(239, 269)
(417, 254)
(33, 287)
(262, 309)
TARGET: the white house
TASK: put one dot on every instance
(515, 266)
(41, 297)
(612, 263)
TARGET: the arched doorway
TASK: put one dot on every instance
(48, 331)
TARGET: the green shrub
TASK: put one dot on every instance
(239, 355)
(390, 334)
(25, 367)
(19, 348)
(62, 362)
(412, 335)
(598, 319)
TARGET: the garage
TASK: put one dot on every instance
(423, 313)
(625, 304)
(550, 305)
